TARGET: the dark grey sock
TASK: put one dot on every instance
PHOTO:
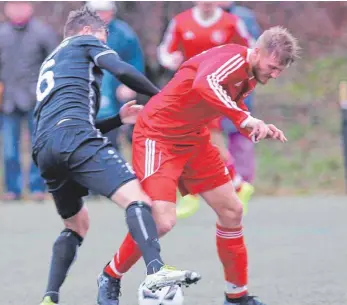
(64, 253)
(144, 231)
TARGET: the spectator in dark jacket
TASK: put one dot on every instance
(24, 44)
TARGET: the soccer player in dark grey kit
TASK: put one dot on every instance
(73, 156)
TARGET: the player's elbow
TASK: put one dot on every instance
(120, 72)
(197, 85)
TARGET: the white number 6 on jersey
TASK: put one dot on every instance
(45, 76)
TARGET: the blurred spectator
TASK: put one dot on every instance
(125, 42)
(24, 44)
(247, 15)
(198, 29)
(239, 147)
(1, 99)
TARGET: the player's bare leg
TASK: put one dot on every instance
(142, 239)
(189, 204)
(244, 190)
(230, 243)
(164, 215)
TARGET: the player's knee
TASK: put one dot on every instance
(79, 223)
(165, 225)
(230, 214)
(135, 205)
(130, 192)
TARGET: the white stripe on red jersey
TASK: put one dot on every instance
(214, 79)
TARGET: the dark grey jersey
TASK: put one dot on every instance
(69, 82)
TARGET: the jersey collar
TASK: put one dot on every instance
(73, 36)
(211, 21)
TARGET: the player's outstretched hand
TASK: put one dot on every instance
(129, 112)
(259, 131)
(276, 134)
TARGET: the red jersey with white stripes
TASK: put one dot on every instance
(191, 35)
(209, 85)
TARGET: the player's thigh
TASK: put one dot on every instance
(226, 204)
(97, 166)
(129, 192)
(67, 197)
(67, 194)
(207, 175)
(113, 136)
(157, 167)
(204, 171)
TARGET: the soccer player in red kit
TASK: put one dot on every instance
(189, 33)
(172, 148)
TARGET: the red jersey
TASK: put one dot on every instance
(191, 35)
(211, 84)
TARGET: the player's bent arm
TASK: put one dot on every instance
(108, 124)
(168, 54)
(210, 90)
(128, 114)
(127, 74)
(209, 81)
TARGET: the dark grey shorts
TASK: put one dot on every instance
(75, 159)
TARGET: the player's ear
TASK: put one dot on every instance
(256, 54)
(86, 30)
(256, 51)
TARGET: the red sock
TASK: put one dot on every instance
(233, 255)
(235, 177)
(127, 255)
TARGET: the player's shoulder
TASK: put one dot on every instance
(86, 40)
(230, 55)
(228, 49)
(235, 49)
(185, 16)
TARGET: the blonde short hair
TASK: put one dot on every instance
(279, 42)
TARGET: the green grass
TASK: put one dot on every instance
(304, 103)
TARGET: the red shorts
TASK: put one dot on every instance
(162, 167)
